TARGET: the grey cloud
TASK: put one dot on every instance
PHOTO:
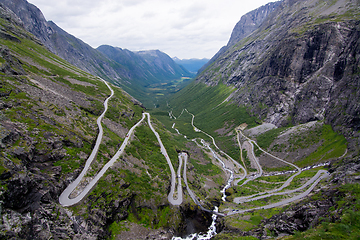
(182, 28)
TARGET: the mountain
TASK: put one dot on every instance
(265, 141)
(127, 72)
(48, 116)
(150, 75)
(192, 65)
(298, 66)
(61, 43)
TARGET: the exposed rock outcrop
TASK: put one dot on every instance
(12, 66)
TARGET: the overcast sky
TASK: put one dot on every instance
(181, 28)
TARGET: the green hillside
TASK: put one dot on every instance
(48, 128)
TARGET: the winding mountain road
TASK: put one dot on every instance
(275, 192)
(65, 199)
(255, 197)
(171, 198)
(222, 152)
(321, 174)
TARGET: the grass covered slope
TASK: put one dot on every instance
(47, 130)
(213, 113)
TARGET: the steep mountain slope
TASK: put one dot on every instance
(129, 71)
(47, 122)
(61, 43)
(250, 22)
(298, 72)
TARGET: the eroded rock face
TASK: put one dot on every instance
(293, 70)
(299, 218)
(195, 220)
(296, 77)
(12, 65)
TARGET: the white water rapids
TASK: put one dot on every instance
(205, 236)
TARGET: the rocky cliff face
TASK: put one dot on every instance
(32, 18)
(300, 65)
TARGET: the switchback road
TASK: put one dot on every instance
(65, 199)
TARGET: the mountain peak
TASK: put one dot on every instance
(251, 21)
(248, 23)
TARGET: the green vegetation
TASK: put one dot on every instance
(315, 20)
(205, 169)
(246, 222)
(247, 162)
(207, 103)
(116, 228)
(303, 177)
(275, 178)
(265, 139)
(328, 143)
(229, 236)
(148, 149)
(333, 145)
(62, 133)
(211, 113)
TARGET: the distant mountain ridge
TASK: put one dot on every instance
(192, 65)
(153, 65)
(133, 73)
